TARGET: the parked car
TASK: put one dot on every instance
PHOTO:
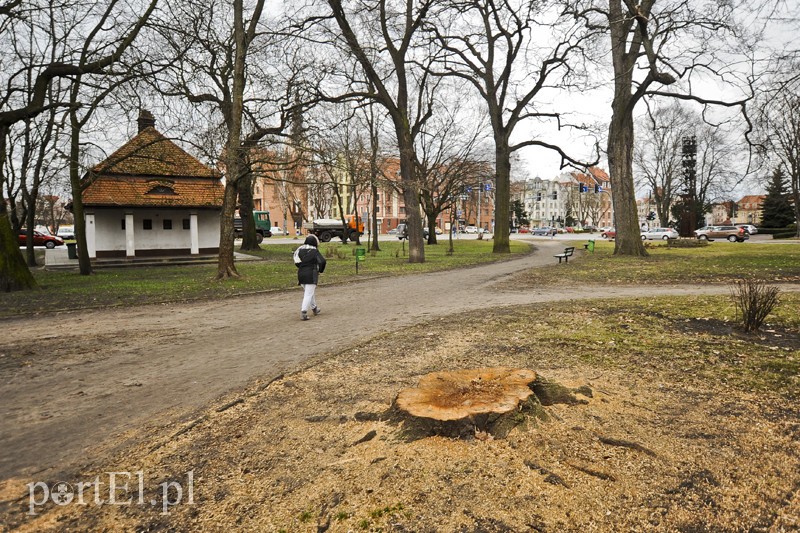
(402, 232)
(544, 230)
(40, 239)
(471, 229)
(749, 228)
(66, 232)
(609, 233)
(732, 233)
(524, 229)
(660, 234)
(276, 230)
(392, 231)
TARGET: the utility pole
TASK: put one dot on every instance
(689, 163)
(480, 186)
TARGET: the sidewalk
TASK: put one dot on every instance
(58, 259)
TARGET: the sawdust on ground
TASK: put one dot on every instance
(651, 450)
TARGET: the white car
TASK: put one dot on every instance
(471, 229)
(660, 234)
(276, 230)
(66, 232)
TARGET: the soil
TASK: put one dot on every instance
(285, 428)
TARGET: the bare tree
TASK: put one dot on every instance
(342, 152)
(382, 37)
(449, 159)
(100, 46)
(499, 47)
(657, 155)
(654, 44)
(779, 121)
(225, 60)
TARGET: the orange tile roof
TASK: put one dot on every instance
(151, 154)
(138, 191)
(752, 199)
(152, 171)
(599, 174)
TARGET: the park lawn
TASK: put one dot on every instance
(718, 262)
(65, 290)
(689, 425)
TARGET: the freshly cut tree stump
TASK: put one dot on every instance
(469, 402)
(463, 393)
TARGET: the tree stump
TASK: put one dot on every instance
(473, 402)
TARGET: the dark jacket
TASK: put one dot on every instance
(310, 263)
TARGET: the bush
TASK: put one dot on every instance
(773, 231)
(784, 235)
(687, 243)
(754, 300)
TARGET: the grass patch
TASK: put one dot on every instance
(717, 263)
(692, 339)
(63, 290)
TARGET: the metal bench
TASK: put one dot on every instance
(568, 251)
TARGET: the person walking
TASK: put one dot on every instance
(310, 264)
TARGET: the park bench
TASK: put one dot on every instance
(568, 251)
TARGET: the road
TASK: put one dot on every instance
(97, 376)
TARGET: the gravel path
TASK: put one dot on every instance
(70, 397)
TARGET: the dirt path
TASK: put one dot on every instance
(68, 398)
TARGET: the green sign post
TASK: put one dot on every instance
(361, 255)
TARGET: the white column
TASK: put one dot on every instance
(194, 234)
(130, 243)
(91, 237)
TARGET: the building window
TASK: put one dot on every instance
(147, 223)
(185, 223)
(162, 189)
(377, 209)
(167, 223)
(123, 224)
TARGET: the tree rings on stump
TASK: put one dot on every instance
(468, 402)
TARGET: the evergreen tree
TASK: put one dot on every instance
(777, 210)
(519, 212)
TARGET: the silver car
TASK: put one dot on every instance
(749, 228)
(665, 234)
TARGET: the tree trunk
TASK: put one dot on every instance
(794, 180)
(375, 245)
(620, 164)
(416, 244)
(620, 139)
(244, 186)
(225, 266)
(84, 262)
(502, 200)
(14, 273)
(235, 164)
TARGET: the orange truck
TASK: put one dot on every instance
(328, 228)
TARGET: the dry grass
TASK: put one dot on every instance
(690, 427)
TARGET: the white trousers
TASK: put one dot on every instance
(309, 297)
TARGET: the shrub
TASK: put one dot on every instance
(754, 300)
(687, 243)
